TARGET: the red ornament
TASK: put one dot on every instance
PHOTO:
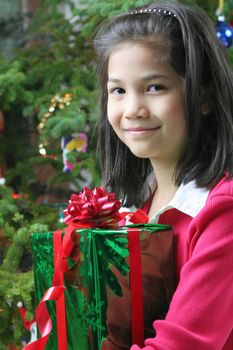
(2, 122)
(19, 195)
(22, 311)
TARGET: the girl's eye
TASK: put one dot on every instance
(155, 87)
(117, 91)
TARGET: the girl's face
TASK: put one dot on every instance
(146, 104)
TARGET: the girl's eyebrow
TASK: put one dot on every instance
(145, 78)
(113, 80)
(155, 76)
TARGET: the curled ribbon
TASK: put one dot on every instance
(43, 320)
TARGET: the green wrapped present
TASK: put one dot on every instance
(117, 282)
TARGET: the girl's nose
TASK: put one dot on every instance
(135, 108)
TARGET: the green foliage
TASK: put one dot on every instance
(57, 58)
(19, 218)
(12, 85)
(15, 287)
(7, 205)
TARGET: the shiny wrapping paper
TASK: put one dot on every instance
(98, 291)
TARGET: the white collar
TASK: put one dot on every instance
(189, 199)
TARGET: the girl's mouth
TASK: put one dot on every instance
(140, 131)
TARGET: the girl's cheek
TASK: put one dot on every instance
(113, 115)
(112, 120)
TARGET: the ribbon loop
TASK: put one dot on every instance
(97, 207)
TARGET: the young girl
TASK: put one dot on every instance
(166, 139)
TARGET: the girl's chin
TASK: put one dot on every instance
(140, 154)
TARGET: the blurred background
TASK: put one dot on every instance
(48, 114)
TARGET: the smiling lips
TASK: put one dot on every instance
(140, 130)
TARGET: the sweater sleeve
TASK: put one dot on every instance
(200, 314)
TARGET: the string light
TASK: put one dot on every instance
(58, 102)
(220, 8)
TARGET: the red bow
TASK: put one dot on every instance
(95, 206)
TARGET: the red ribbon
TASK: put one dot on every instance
(135, 266)
(138, 217)
(43, 319)
(60, 303)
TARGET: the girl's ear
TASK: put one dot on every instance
(206, 108)
(206, 103)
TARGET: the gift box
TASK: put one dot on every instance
(99, 284)
(116, 279)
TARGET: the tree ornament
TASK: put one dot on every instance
(77, 142)
(57, 102)
(224, 31)
(2, 122)
(2, 179)
(28, 325)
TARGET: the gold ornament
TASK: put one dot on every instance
(57, 102)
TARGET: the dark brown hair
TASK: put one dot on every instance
(195, 53)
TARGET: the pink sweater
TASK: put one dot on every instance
(200, 316)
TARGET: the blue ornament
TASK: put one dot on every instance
(224, 31)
